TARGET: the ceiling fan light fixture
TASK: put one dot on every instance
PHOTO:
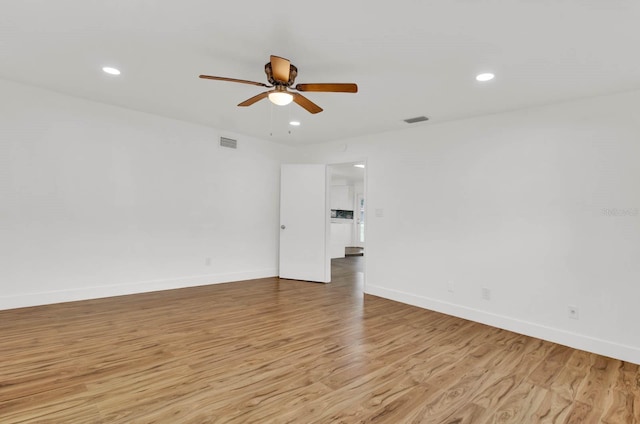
(280, 98)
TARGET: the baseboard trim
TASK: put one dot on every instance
(95, 292)
(563, 337)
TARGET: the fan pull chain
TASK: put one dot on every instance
(271, 120)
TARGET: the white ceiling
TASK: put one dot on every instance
(408, 57)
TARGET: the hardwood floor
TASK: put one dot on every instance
(284, 351)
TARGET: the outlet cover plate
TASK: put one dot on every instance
(486, 293)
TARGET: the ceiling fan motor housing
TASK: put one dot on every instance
(293, 73)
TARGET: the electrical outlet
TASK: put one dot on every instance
(486, 293)
(573, 312)
(450, 287)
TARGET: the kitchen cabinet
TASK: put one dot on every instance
(342, 197)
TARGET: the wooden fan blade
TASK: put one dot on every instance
(280, 68)
(234, 80)
(306, 103)
(254, 99)
(328, 87)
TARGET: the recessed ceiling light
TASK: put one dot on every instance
(111, 71)
(488, 76)
(295, 123)
(359, 165)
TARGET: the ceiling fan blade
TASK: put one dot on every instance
(329, 87)
(254, 99)
(280, 68)
(234, 80)
(306, 103)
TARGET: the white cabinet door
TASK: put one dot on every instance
(342, 197)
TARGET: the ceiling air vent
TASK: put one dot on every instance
(416, 119)
(228, 142)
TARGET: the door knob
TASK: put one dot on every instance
(283, 226)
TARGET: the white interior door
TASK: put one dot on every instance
(304, 223)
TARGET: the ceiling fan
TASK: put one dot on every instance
(281, 74)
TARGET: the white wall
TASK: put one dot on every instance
(540, 206)
(98, 201)
(521, 203)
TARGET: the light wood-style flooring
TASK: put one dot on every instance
(281, 351)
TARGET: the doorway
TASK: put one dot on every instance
(348, 213)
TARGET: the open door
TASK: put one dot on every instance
(304, 223)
